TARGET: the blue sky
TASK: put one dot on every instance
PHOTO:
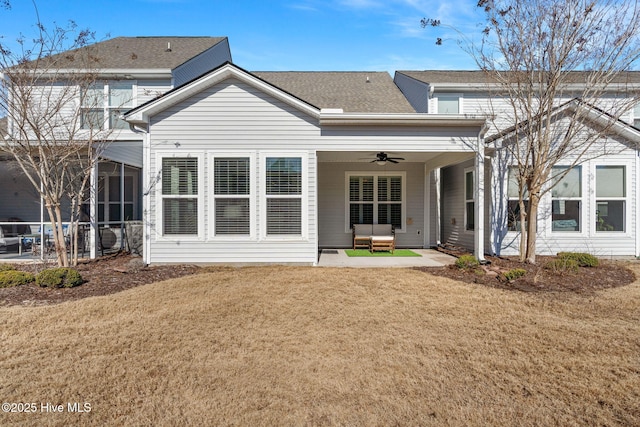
(278, 35)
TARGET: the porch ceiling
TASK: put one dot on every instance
(367, 156)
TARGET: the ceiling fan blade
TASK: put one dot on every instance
(391, 160)
(395, 158)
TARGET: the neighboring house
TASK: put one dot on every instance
(132, 70)
(593, 209)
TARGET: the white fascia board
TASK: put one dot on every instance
(227, 71)
(115, 72)
(395, 119)
(481, 87)
(623, 129)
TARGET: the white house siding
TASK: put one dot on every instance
(148, 89)
(603, 244)
(332, 209)
(453, 205)
(234, 118)
(433, 209)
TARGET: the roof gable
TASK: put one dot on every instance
(142, 113)
(592, 114)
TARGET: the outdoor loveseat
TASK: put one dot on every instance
(374, 237)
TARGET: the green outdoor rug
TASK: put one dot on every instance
(364, 252)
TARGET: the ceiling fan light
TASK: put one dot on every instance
(381, 162)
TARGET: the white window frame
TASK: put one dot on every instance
(160, 197)
(513, 198)
(252, 196)
(471, 171)
(304, 202)
(375, 175)
(449, 95)
(583, 199)
(106, 107)
(627, 202)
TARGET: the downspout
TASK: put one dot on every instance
(146, 202)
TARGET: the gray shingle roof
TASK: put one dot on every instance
(347, 90)
(478, 76)
(142, 52)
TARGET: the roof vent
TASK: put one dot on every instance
(168, 49)
(368, 81)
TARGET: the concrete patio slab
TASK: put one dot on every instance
(428, 258)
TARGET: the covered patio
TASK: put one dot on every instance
(427, 258)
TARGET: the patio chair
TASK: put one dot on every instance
(383, 238)
(362, 236)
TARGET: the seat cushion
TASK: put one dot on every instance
(382, 238)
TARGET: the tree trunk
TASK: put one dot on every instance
(523, 228)
(532, 225)
(59, 242)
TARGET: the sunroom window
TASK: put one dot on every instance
(566, 198)
(232, 189)
(180, 196)
(610, 198)
(284, 195)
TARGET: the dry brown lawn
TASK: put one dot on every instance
(311, 346)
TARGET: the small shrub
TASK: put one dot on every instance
(467, 262)
(59, 278)
(514, 273)
(9, 278)
(583, 259)
(7, 267)
(559, 265)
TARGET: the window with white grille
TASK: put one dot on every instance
(232, 191)
(180, 196)
(566, 199)
(375, 198)
(283, 191)
(611, 195)
(102, 104)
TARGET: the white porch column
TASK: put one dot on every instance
(438, 218)
(478, 247)
(93, 211)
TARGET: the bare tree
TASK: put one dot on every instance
(547, 64)
(47, 91)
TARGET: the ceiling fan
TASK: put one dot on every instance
(382, 158)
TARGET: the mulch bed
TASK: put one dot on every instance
(609, 274)
(103, 276)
